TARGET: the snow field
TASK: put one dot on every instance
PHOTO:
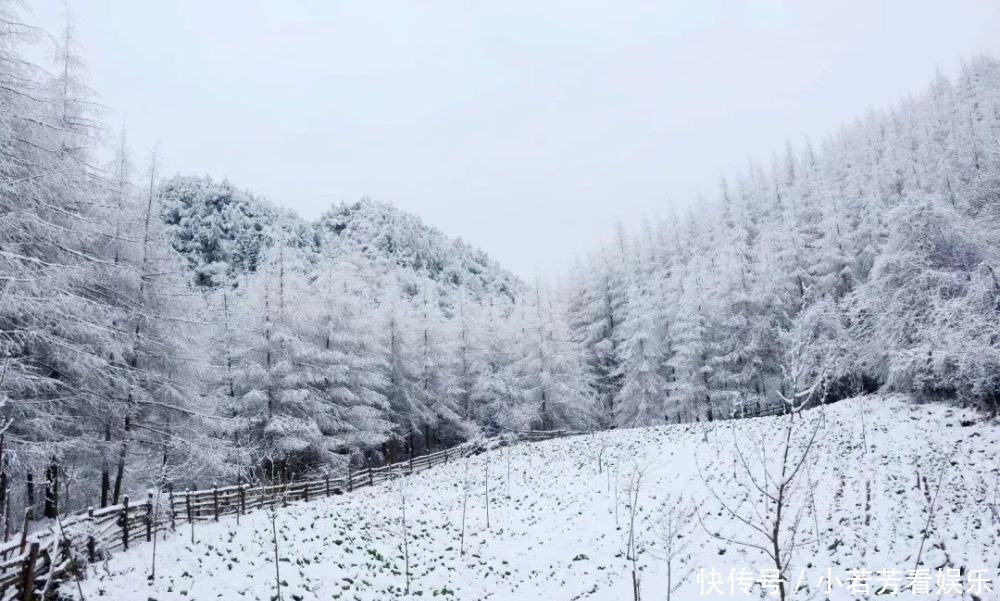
(559, 525)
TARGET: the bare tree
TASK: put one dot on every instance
(674, 526)
(273, 498)
(272, 516)
(161, 483)
(776, 517)
(931, 508)
(486, 473)
(401, 488)
(465, 503)
(633, 544)
(595, 452)
(811, 487)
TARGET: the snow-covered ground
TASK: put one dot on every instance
(559, 525)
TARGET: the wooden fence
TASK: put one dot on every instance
(32, 566)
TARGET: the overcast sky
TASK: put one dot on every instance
(527, 128)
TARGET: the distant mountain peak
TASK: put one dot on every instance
(220, 228)
(377, 228)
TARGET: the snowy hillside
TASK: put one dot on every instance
(559, 514)
(220, 228)
(379, 230)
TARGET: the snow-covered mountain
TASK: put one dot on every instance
(222, 229)
(379, 230)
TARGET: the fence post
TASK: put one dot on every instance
(305, 490)
(446, 455)
(411, 461)
(149, 517)
(327, 479)
(215, 501)
(124, 522)
(350, 480)
(91, 545)
(371, 477)
(29, 573)
(173, 516)
(243, 500)
(187, 502)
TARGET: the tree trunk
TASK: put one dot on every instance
(30, 490)
(105, 468)
(390, 449)
(120, 471)
(3, 478)
(3, 498)
(51, 507)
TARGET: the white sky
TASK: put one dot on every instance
(527, 128)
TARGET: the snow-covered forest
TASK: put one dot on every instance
(866, 260)
(180, 330)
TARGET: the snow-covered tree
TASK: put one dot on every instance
(553, 389)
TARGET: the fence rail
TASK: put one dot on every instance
(32, 566)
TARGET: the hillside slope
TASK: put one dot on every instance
(222, 229)
(561, 535)
(379, 230)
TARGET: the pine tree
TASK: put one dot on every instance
(596, 313)
(406, 397)
(553, 390)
